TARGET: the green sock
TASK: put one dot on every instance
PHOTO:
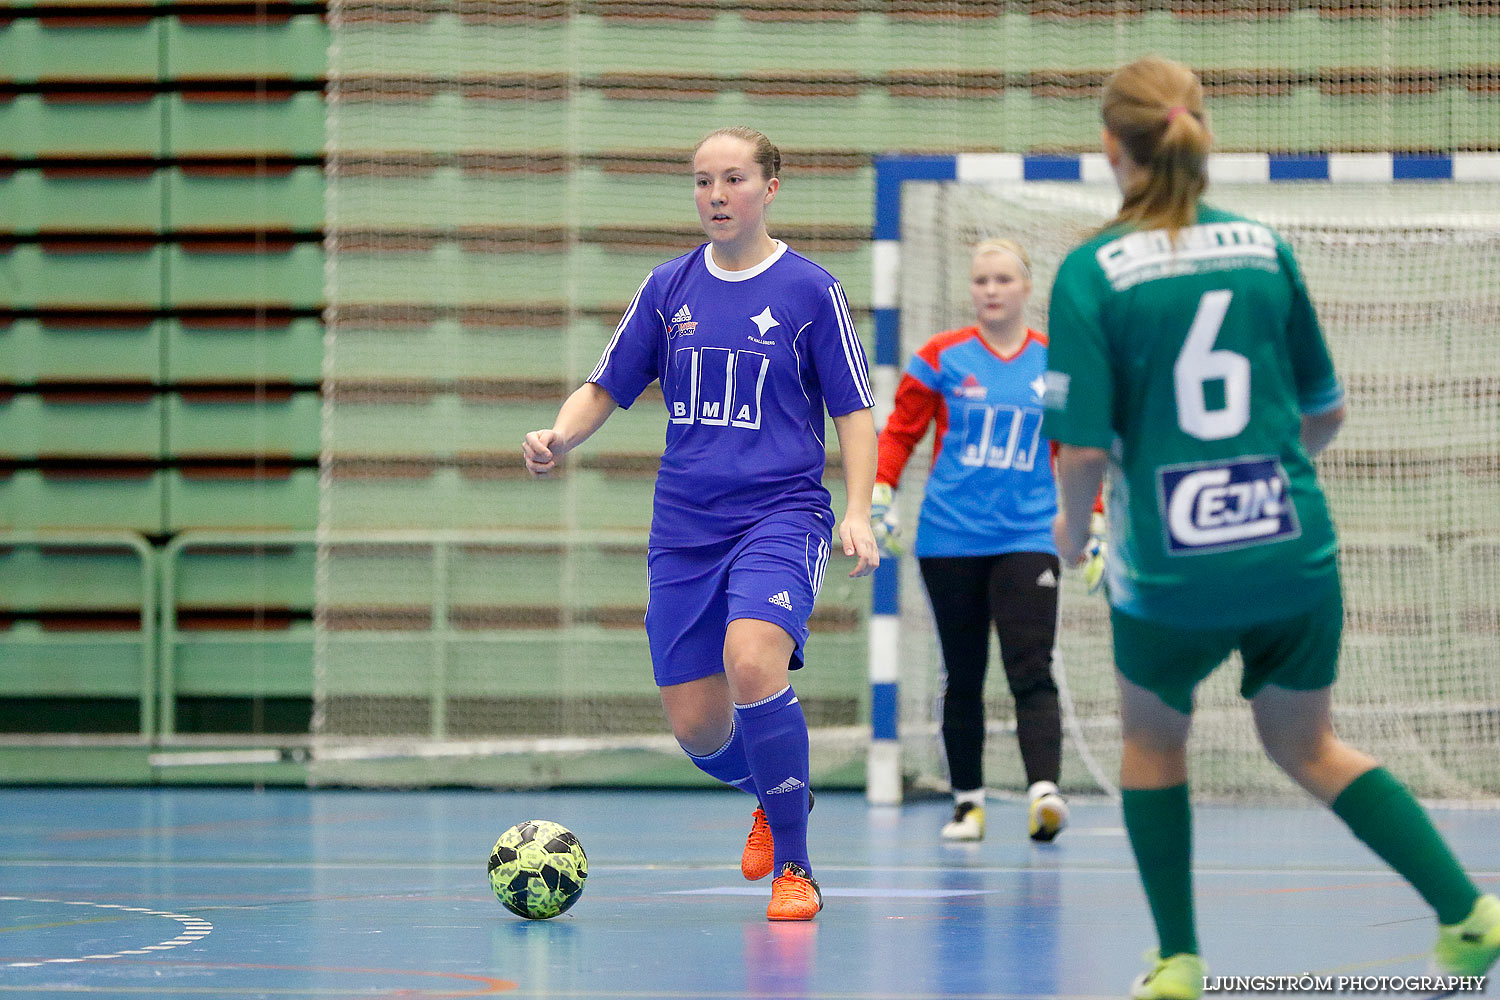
(1159, 822)
(1382, 813)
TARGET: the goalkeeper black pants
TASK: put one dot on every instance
(1016, 593)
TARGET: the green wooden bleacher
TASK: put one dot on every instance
(240, 598)
(78, 626)
(35, 350)
(282, 196)
(244, 350)
(103, 421)
(56, 198)
(161, 207)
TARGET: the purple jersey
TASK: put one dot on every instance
(748, 361)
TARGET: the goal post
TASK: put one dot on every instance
(1399, 251)
(883, 767)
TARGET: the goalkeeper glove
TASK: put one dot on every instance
(883, 522)
(1093, 553)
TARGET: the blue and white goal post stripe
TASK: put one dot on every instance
(883, 776)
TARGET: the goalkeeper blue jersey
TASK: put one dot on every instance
(990, 490)
(748, 362)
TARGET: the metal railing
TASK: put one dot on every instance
(441, 632)
(167, 581)
(145, 638)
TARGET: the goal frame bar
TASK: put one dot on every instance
(883, 775)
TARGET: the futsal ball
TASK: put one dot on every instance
(537, 869)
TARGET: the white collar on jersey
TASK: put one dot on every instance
(749, 272)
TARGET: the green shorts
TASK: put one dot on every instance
(1300, 653)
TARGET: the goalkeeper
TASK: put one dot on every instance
(984, 539)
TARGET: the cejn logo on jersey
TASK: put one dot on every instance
(1214, 506)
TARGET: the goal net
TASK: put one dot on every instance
(501, 174)
(1403, 276)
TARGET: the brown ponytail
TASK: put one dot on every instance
(1154, 107)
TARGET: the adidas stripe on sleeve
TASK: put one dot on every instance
(631, 359)
(840, 360)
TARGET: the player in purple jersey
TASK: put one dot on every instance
(984, 541)
(751, 343)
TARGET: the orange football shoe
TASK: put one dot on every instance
(759, 854)
(794, 894)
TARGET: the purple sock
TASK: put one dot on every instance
(776, 745)
(728, 763)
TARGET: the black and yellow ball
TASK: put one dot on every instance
(537, 869)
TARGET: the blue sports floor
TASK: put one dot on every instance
(237, 894)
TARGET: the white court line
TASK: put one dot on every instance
(1374, 868)
(193, 929)
(751, 890)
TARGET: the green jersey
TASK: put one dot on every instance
(1193, 364)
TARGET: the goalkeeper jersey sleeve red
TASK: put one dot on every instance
(916, 406)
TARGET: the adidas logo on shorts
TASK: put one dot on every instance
(1047, 579)
(682, 315)
(789, 785)
(781, 600)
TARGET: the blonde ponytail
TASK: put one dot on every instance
(1154, 107)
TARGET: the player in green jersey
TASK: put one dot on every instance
(1187, 360)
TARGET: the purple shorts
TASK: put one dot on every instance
(772, 573)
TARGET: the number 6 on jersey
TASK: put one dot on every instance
(1198, 363)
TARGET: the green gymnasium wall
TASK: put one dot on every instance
(161, 227)
(162, 254)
